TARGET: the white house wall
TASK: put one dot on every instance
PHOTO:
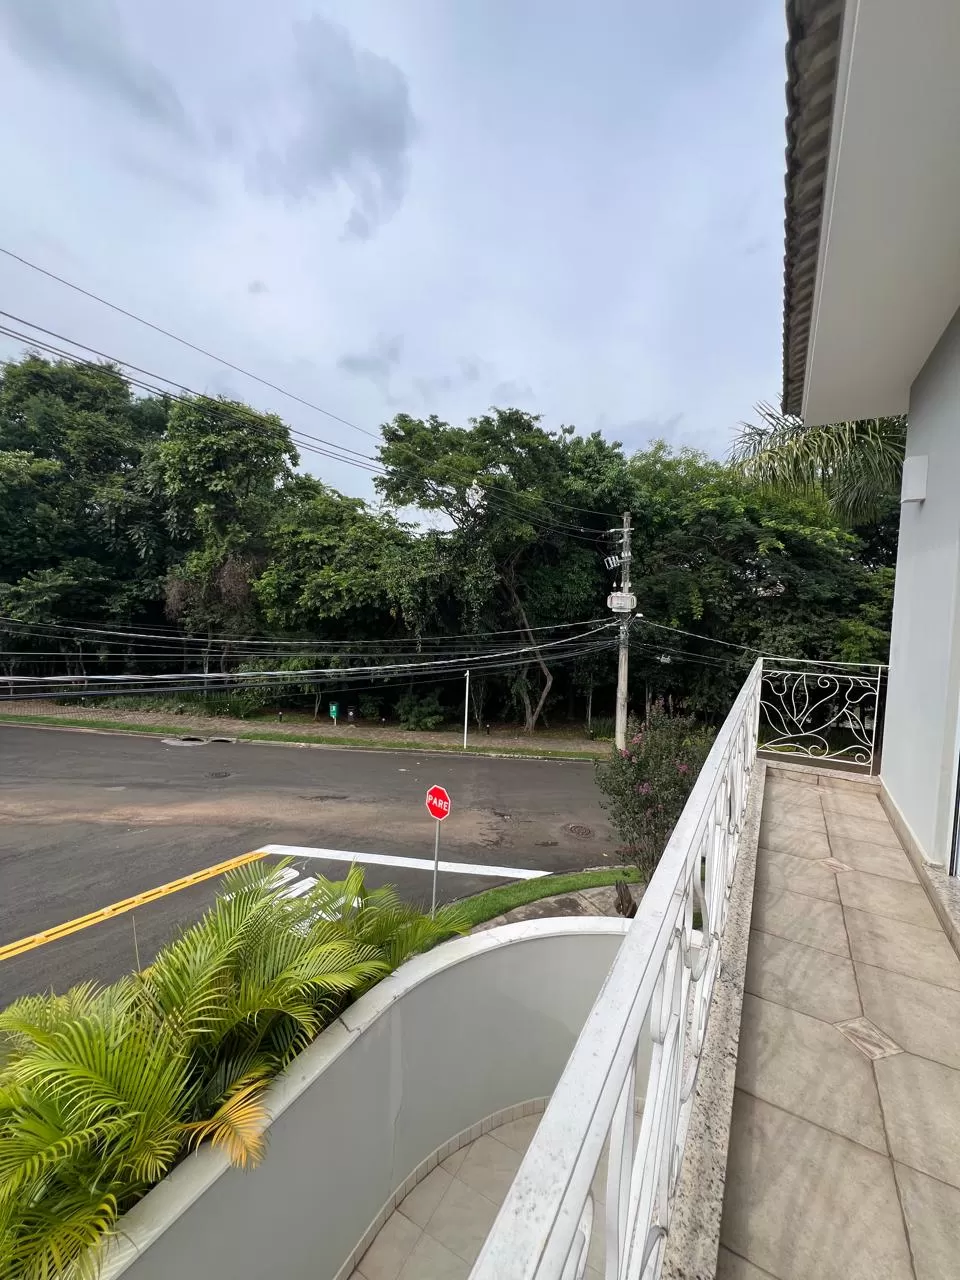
(920, 735)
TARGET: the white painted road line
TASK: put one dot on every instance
(391, 860)
(300, 888)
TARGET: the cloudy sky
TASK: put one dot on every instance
(431, 206)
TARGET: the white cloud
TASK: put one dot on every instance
(578, 210)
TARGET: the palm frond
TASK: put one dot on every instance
(64, 1240)
(237, 1125)
(40, 1141)
(34, 1020)
(399, 930)
(855, 465)
(188, 980)
(241, 1065)
(102, 1089)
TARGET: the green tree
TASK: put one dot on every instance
(122, 509)
(505, 484)
(327, 560)
(218, 469)
(77, 531)
(738, 565)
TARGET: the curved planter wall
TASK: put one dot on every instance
(473, 1028)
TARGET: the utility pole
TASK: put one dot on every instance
(623, 603)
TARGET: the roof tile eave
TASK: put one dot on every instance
(812, 55)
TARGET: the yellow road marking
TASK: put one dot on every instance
(126, 904)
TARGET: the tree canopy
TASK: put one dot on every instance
(187, 522)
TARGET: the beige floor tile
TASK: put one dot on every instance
(807, 817)
(453, 1162)
(490, 1167)
(903, 948)
(859, 783)
(932, 1213)
(800, 841)
(800, 774)
(462, 1220)
(431, 1260)
(730, 1266)
(801, 875)
(848, 826)
(517, 1134)
(886, 897)
(874, 859)
(923, 1019)
(857, 805)
(808, 1068)
(781, 796)
(420, 1203)
(801, 919)
(804, 1204)
(394, 1243)
(802, 978)
(921, 1106)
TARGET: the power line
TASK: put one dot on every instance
(167, 333)
(179, 638)
(757, 653)
(694, 635)
(218, 683)
(303, 443)
(251, 413)
(684, 655)
(322, 671)
(507, 500)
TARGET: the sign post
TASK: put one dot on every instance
(438, 805)
(334, 712)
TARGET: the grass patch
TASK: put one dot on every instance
(317, 739)
(494, 902)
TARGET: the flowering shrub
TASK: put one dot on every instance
(646, 786)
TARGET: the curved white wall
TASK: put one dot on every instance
(474, 1027)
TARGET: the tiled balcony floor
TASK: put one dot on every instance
(436, 1231)
(845, 1147)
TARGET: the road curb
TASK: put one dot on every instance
(159, 732)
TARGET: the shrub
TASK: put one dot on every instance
(603, 727)
(647, 785)
(103, 1090)
(420, 713)
(369, 706)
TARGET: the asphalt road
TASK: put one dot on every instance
(87, 819)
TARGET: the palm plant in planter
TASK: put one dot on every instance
(103, 1090)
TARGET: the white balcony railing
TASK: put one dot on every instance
(826, 711)
(641, 1041)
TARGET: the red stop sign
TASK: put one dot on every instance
(438, 802)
